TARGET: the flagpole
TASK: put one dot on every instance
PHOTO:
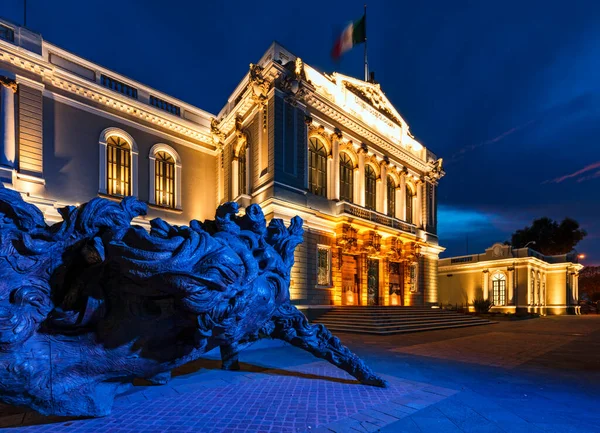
(366, 64)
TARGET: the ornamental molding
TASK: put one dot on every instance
(373, 95)
(325, 107)
(92, 91)
(9, 83)
(135, 110)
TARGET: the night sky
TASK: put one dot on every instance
(507, 92)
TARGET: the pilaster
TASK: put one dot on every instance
(383, 204)
(360, 184)
(8, 149)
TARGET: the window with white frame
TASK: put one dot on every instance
(118, 166)
(499, 289)
(323, 266)
(165, 177)
(118, 160)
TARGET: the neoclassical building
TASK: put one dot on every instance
(329, 148)
(513, 279)
(333, 150)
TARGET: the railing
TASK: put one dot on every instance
(377, 218)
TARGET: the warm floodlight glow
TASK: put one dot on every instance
(581, 256)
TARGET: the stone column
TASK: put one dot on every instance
(378, 195)
(384, 198)
(510, 288)
(235, 181)
(418, 220)
(401, 198)
(486, 282)
(529, 285)
(360, 185)
(335, 174)
(8, 135)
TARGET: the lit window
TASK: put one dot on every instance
(317, 168)
(346, 178)
(118, 156)
(391, 196)
(370, 187)
(164, 179)
(323, 266)
(242, 185)
(409, 205)
(6, 33)
(499, 289)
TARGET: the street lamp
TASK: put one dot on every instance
(581, 256)
(530, 242)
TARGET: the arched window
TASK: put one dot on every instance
(370, 188)
(346, 178)
(317, 168)
(118, 161)
(242, 183)
(164, 179)
(499, 289)
(409, 204)
(391, 196)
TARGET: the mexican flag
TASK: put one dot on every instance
(355, 33)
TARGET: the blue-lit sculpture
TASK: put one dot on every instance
(89, 304)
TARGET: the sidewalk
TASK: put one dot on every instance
(537, 375)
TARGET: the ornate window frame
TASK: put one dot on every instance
(499, 276)
(377, 176)
(326, 166)
(162, 147)
(103, 179)
(352, 175)
(329, 267)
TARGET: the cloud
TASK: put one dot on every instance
(456, 156)
(590, 167)
(454, 222)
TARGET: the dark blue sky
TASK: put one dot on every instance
(507, 92)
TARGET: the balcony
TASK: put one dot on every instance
(375, 217)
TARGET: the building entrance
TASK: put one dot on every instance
(372, 282)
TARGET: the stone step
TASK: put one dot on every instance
(377, 314)
(405, 331)
(387, 320)
(383, 320)
(399, 324)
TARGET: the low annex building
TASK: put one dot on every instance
(329, 148)
(513, 279)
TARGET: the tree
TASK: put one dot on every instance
(589, 283)
(550, 237)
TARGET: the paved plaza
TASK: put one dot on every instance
(539, 375)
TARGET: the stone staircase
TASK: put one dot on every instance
(394, 320)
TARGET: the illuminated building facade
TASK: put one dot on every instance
(329, 148)
(333, 150)
(513, 279)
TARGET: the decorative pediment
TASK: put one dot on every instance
(372, 94)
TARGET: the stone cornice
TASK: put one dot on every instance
(94, 92)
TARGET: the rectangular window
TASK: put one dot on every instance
(6, 33)
(323, 266)
(118, 86)
(164, 105)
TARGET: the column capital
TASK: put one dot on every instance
(9, 83)
(363, 149)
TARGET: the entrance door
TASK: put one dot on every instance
(372, 282)
(396, 284)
